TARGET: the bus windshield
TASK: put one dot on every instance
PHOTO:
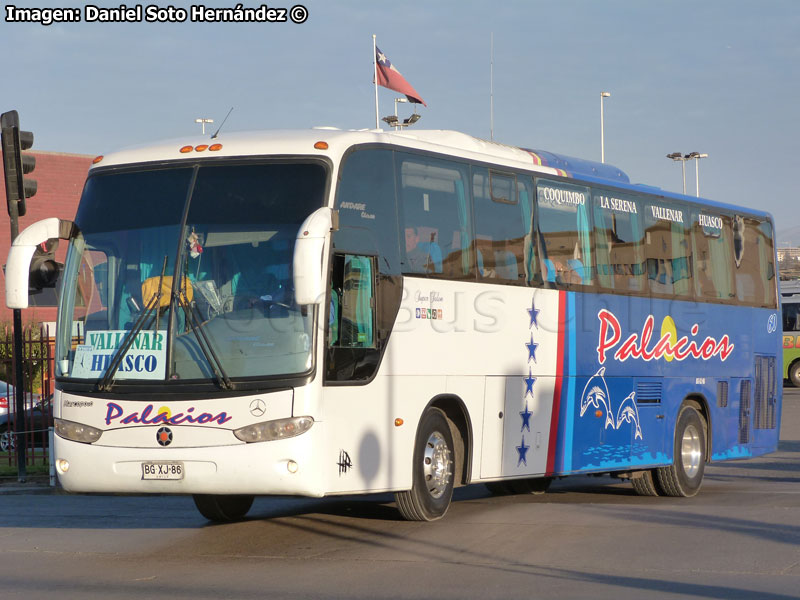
(184, 273)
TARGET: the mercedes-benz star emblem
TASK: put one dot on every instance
(258, 407)
(164, 436)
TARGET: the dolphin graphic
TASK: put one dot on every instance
(628, 412)
(596, 393)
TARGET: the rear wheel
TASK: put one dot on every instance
(223, 509)
(432, 477)
(645, 483)
(685, 475)
(794, 374)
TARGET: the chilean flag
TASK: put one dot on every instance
(389, 77)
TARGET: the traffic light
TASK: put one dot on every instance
(44, 270)
(15, 164)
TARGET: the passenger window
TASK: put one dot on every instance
(712, 248)
(564, 233)
(367, 209)
(435, 217)
(667, 252)
(619, 241)
(753, 261)
(791, 317)
(502, 225)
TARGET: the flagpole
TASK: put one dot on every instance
(375, 73)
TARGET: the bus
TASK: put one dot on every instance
(327, 312)
(790, 301)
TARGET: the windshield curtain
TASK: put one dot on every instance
(184, 273)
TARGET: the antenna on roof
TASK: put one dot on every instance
(221, 124)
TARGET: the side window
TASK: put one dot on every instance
(367, 208)
(619, 241)
(753, 261)
(667, 252)
(435, 217)
(791, 317)
(352, 311)
(712, 249)
(502, 225)
(564, 233)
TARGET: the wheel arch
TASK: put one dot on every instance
(700, 403)
(461, 429)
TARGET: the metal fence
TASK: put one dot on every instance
(34, 422)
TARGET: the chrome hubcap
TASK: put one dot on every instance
(691, 451)
(436, 465)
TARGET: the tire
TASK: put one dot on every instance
(432, 476)
(223, 509)
(794, 374)
(647, 484)
(685, 475)
(8, 441)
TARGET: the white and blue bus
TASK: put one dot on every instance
(330, 312)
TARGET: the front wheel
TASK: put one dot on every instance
(432, 476)
(223, 508)
(794, 374)
(685, 475)
(8, 440)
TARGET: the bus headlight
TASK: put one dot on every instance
(77, 432)
(274, 430)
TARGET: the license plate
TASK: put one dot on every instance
(162, 470)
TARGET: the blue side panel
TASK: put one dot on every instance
(629, 364)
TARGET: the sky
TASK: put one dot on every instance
(720, 77)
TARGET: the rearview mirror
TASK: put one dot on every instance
(309, 250)
(18, 265)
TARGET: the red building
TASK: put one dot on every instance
(60, 178)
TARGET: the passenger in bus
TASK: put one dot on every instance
(422, 257)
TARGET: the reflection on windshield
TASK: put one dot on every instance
(230, 312)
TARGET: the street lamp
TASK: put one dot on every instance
(683, 159)
(203, 123)
(696, 156)
(394, 120)
(602, 127)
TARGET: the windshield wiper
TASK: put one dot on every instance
(107, 382)
(204, 344)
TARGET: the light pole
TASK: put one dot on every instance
(203, 123)
(602, 127)
(696, 156)
(683, 159)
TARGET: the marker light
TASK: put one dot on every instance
(321, 145)
(201, 147)
(291, 466)
(77, 432)
(97, 159)
(62, 464)
(398, 422)
(186, 149)
(274, 430)
(215, 147)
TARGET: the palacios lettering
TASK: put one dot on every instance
(669, 346)
(116, 414)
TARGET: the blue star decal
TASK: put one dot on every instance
(526, 418)
(532, 349)
(523, 453)
(534, 313)
(529, 381)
